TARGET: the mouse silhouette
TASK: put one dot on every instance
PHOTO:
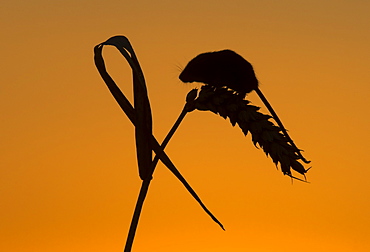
(228, 69)
(220, 69)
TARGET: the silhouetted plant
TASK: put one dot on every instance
(140, 116)
(265, 134)
(226, 68)
(220, 100)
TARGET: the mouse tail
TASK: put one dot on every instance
(276, 118)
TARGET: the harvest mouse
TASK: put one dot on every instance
(228, 69)
(219, 69)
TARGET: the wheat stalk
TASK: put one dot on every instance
(265, 134)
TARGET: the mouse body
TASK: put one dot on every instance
(228, 69)
(221, 69)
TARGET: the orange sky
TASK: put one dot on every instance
(68, 173)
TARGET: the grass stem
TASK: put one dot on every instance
(146, 182)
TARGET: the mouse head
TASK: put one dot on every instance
(221, 69)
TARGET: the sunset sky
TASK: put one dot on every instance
(68, 172)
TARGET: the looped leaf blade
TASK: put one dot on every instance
(143, 127)
(132, 115)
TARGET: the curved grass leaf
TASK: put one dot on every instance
(132, 115)
(143, 126)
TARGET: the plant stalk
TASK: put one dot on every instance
(146, 182)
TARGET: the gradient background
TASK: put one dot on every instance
(68, 177)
